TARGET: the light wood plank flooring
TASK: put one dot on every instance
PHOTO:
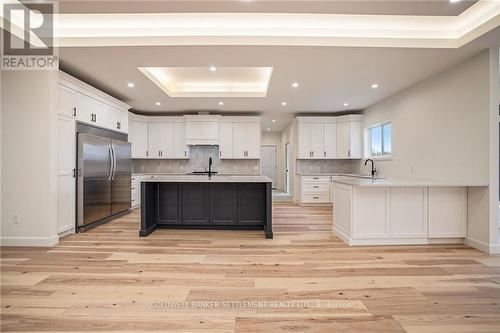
(304, 280)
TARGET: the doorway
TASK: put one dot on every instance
(268, 162)
(287, 168)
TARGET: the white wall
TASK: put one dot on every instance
(443, 129)
(440, 126)
(29, 159)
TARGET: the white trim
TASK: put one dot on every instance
(29, 241)
(482, 246)
(276, 29)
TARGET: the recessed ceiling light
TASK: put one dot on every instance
(295, 84)
(274, 120)
(346, 104)
(158, 103)
(130, 84)
(452, 1)
(213, 68)
(283, 103)
(268, 129)
(374, 86)
(221, 103)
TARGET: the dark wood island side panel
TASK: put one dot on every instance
(203, 205)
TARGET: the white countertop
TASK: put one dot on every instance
(205, 179)
(388, 182)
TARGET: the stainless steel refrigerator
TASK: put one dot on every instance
(104, 176)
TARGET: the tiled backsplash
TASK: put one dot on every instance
(327, 166)
(198, 161)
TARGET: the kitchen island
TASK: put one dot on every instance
(202, 202)
(382, 211)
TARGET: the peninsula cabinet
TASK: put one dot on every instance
(329, 137)
(393, 214)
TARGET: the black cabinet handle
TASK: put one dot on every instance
(74, 111)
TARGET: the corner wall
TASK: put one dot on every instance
(29, 158)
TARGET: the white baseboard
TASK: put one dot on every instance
(29, 241)
(483, 246)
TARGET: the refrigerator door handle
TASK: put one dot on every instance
(111, 161)
(114, 162)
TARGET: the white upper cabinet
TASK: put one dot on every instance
(349, 137)
(329, 137)
(330, 140)
(138, 137)
(240, 138)
(226, 140)
(179, 140)
(202, 129)
(88, 105)
(252, 144)
(66, 105)
(158, 137)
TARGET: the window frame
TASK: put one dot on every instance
(368, 141)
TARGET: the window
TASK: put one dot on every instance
(379, 141)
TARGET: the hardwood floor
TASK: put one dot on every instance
(304, 280)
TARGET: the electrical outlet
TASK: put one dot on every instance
(16, 219)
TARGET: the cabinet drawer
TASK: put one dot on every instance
(315, 198)
(316, 187)
(315, 178)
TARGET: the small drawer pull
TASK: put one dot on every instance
(315, 186)
(315, 197)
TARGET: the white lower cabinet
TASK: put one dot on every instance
(315, 189)
(135, 191)
(408, 212)
(365, 215)
(447, 212)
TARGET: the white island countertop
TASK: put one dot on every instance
(395, 182)
(205, 179)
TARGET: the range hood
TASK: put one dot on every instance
(202, 130)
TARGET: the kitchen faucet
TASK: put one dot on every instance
(373, 166)
(209, 167)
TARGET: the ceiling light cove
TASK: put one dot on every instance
(202, 82)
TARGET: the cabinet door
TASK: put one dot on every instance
(317, 140)
(138, 137)
(223, 203)
(304, 141)
(226, 140)
(85, 108)
(343, 140)
(167, 145)
(252, 146)
(66, 99)
(447, 212)
(355, 139)
(115, 120)
(155, 140)
(65, 174)
(239, 140)
(330, 141)
(251, 203)
(195, 199)
(180, 149)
